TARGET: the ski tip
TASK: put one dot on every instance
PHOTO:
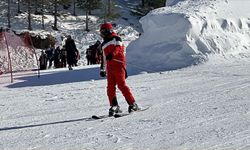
(120, 115)
(100, 117)
(95, 117)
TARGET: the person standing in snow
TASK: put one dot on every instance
(50, 55)
(94, 52)
(77, 57)
(113, 65)
(43, 60)
(98, 45)
(56, 57)
(63, 59)
(71, 50)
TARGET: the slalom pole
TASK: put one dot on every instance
(10, 64)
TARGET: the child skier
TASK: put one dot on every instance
(114, 64)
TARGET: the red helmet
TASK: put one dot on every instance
(106, 29)
(106, 26)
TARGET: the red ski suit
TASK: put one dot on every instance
(116, 68)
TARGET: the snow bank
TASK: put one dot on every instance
(192, 31)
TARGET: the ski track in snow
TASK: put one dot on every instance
(202, 107)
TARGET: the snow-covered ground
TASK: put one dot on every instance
(205, 106)
(202, 107)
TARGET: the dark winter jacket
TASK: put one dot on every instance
(71, 50)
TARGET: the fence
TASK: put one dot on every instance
(16, 53)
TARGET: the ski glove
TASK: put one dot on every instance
(109, 56)
(103, 73)
(126, 74)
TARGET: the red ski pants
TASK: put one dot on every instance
(117, 77)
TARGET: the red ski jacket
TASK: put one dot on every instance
(115, 47)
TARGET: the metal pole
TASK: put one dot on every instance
(10, 65)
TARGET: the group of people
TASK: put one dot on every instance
(60, 57)
(93, 53)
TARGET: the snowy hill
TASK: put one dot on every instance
(194, 108)
(192, 31)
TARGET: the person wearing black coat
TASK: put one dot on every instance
(71, 50)
(43, 60)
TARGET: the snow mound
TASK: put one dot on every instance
(189, 32)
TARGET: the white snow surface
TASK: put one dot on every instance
(200, 107)
(203, 106)
(189, 32)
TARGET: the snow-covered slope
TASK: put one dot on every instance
(203, 107)
(200, 107)
(192, 31)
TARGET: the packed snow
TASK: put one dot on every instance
(190, 32)
(190, 65)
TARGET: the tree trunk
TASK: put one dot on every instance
(87, 15)
(8, 14)
(55, 16)
(42, 11)
(29, 15)
(36, 6)
(18, 7)
(109, 7)
(74, 8)
(143, 3)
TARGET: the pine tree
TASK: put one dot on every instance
(110, 11)
(88, 5)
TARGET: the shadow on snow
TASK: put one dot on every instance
(58, 77)
(46, 124)
(61, 77)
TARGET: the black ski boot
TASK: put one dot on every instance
(114, 110)
(132, 108)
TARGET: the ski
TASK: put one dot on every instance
(126, 114)
(96, 117)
